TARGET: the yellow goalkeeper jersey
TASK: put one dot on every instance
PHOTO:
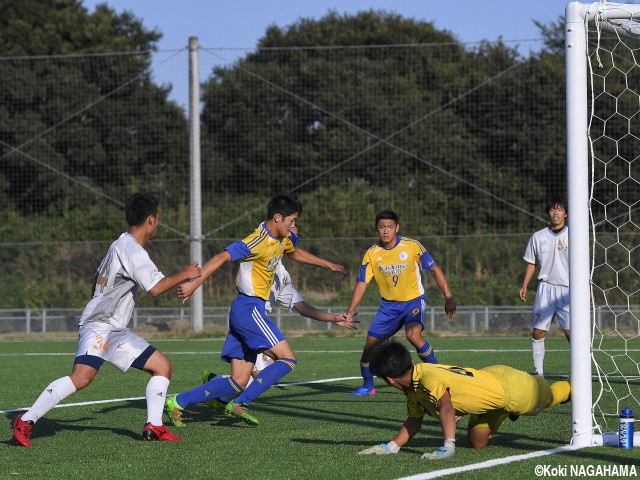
(472, 391)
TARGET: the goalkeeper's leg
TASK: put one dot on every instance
(561, 393)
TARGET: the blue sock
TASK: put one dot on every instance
(426, 353)
(216, 388)
(366, 373)
(265, 379)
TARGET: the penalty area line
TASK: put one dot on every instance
(490, 463)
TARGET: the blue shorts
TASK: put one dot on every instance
(250, 330)
(392, 316)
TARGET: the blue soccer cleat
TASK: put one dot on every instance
(363, 391)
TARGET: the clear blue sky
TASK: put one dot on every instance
(241, 23)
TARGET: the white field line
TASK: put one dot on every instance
(476, 350)
(425, 476)
(115, 400)
(489, 463)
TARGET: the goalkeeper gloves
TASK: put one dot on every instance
(382, 449)
(446, 451)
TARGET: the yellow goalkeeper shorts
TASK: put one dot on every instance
(525, 394)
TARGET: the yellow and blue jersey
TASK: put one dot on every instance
(259, 256)
(396, 270)
(472, 391)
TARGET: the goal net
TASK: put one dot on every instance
(603, 99)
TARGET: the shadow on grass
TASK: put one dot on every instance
(49, 428)
(193, 413)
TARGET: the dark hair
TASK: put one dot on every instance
(138, 208)
(387, 215)
(553, 201)
(390, 359)
(284, 204)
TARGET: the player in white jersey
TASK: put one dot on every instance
(548, 248)
(103, 332)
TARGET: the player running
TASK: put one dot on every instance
(250, 330)
(104, 336)
(284, 293)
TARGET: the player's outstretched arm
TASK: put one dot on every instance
(186, 289)
(447, 416)
(303, 256)
(409, 429)
(167, 283)
(309, 311)
(441, 280)
(358, 293)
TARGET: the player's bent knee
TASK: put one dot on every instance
(479, 437)
(478, 443)
(81, 382)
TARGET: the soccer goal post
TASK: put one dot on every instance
(603, 164)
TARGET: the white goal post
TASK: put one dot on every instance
(587, 65)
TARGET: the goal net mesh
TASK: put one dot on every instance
(614, 135)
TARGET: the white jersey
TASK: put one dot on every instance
(283, 291)
(550, 250)
(125, 267)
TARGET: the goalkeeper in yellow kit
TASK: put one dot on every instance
(489, 395)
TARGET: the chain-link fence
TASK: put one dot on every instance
(464, 142)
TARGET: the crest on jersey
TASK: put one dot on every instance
(403, 256)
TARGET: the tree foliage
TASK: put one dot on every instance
(449, 122)
(355, 113)
(60, 110)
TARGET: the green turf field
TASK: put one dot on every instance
(307, 431)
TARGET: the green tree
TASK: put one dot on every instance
(459, 134)
(79, 113)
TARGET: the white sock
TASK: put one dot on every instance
(156, 395)
(51, 396)
(537, 347)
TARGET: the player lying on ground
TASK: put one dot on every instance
(488, 395)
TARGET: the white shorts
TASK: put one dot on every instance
(262, 362)
(118, 347)
(551, 300)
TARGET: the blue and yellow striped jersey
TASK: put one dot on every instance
(259, 255)
(397, 269)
